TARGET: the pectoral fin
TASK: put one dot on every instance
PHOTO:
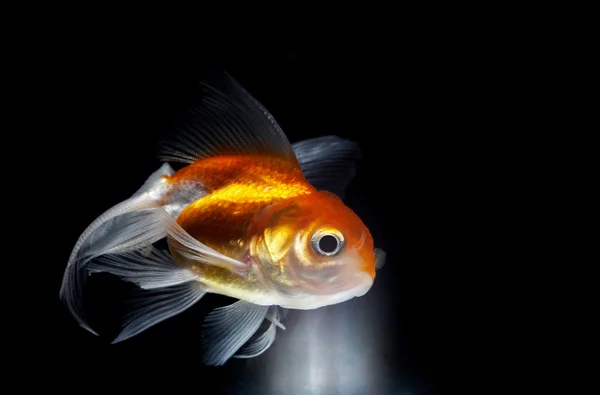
(185, 245)
(258, 346)
(328, 163)
(228, 328)
(261, 341)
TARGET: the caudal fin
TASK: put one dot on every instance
(123, 235)
(127, 226)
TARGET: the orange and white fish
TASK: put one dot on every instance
(250, 216)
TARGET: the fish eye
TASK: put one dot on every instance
(327, 242)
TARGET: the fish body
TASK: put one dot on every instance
(238, 187)
(250, 216)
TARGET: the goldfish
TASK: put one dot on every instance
(249, 216)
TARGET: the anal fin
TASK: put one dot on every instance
(147, 308)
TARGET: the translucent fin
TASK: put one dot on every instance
(379, 258)
(262, 340)
(260, 345)
(127, 232)
(188, 247)
(283, 312)
(228, 328)
(227, 121)
(149, 307)
(328, 163)
(155, 179)
(148, 268)
(126, 226)
(277, 314)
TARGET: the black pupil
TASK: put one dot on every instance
(328, 244)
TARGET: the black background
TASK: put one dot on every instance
(419, 189)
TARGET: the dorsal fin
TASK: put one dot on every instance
(226, 121)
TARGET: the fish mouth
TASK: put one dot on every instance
(361, 284)
(380, 256)
(341, 283)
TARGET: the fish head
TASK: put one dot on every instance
(317, 251)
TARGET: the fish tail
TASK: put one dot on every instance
(120, 242)
(127, 226)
